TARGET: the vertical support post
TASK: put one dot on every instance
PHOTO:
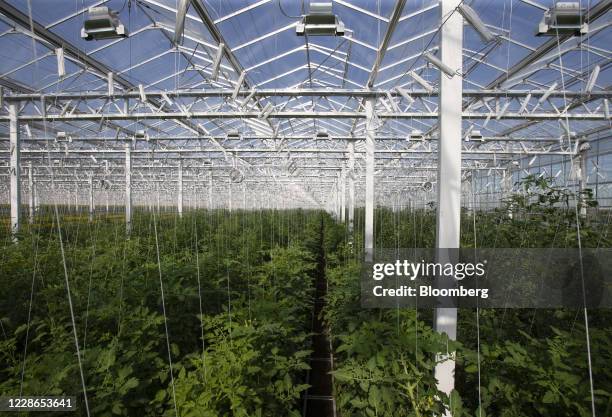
(449, 174)
(128, 188)
(336, 204)
(343, 196)
(583, 148)
(91, 199)
(210, 190)
(244, 198)
(506, 183)
(351, 169)
(31, 196)
(229, 195)
(369, 182)
(15, 169)
(180, 188)
(157, 194)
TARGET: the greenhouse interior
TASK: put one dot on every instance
(250, 208)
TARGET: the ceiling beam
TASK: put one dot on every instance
(299, 115)
(291, 92)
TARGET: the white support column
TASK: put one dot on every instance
(583, 148)
(336, 197)
(343, 196)
(229, 196)
(32, 193)
(244, 197)
(128, 188)
(77, 209)
(157, 195)
(180, 188)
(351, 183)
(210, 191)
(506, 183)
(449, 173)
(369, 182)
(15, 170)
(91, 198)
(36, 199)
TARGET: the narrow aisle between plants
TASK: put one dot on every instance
(319, 400)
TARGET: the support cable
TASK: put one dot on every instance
(586, 315)
(163, 300)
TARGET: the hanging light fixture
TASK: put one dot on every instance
(233, 134)
(102, 23)
(320, 21)
(564, 18)
(322, 134)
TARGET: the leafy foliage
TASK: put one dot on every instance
(254, 273)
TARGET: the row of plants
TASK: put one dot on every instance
(237, 295)
(509, 362)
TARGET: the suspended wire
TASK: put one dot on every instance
(57, 221)
(163, 300)
(29, 320)
(477, 306)
(579, 239)
(91, 269)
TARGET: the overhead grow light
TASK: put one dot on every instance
(233, 134)
(102, 23)
(320, 21)
(564, 18)
(322, 134)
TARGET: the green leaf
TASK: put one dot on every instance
(471, 368)
(374, 396)
(456, 405)
(549, 398)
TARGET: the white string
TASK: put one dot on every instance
(195, 227)
(27, 335)
(586, 316)
(59, 229)
(477, 308)
(163, 300)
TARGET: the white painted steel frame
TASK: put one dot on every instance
(449, 175)
(15, 170)
(370, 145)
(128, 188)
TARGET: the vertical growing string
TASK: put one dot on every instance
(59, 230)
(586, 315)
(197, 255)
(163, 300)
